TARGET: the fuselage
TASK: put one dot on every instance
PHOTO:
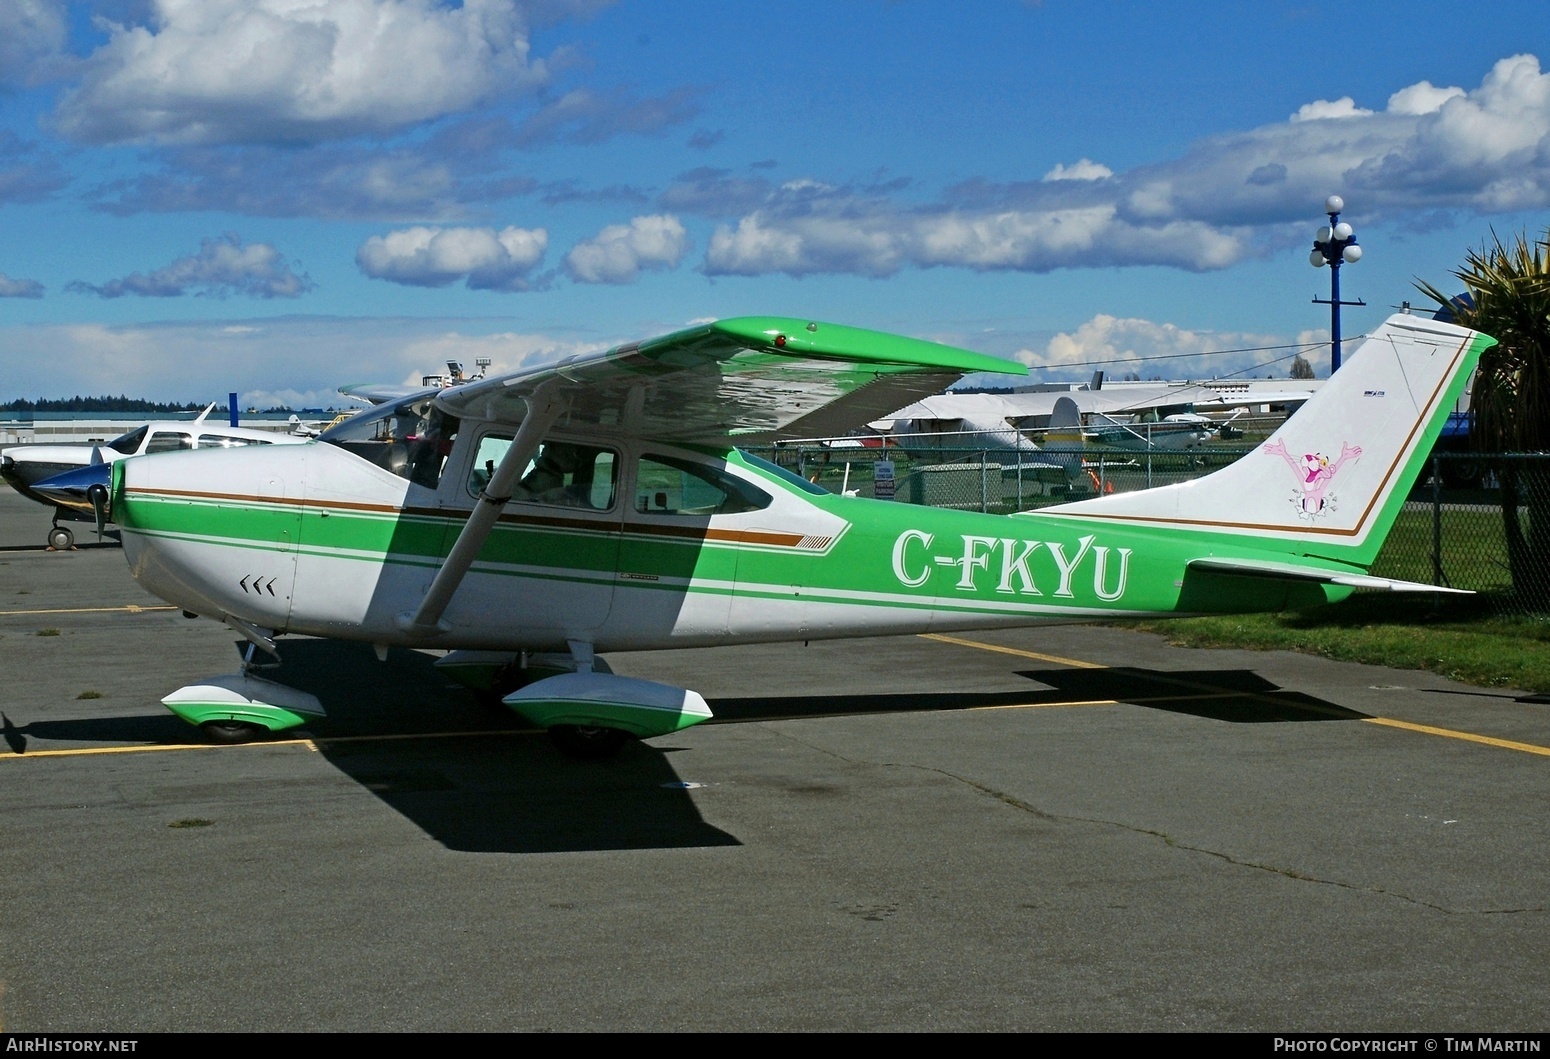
(648, 546)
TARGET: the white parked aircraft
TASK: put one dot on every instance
(25, 466)
(1129, 415)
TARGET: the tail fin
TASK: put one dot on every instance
(1330, 482)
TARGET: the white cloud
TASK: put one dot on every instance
(300, 361)
(1421, 98)
(221, 71)
(619, 252)
(1228, 198)
(19, 288)
(1029, 240)
(1325, 109)
(1119, 346)
(32, 39)
(1086, 169)
(437, 257)
(223, 266)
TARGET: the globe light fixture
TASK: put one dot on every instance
(1335, 245)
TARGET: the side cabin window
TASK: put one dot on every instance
(221, 441)
(561, 473)
(169, 441)
(666, 485)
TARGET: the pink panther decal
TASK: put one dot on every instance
(1314, 473)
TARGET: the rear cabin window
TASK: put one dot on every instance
(665, 485)
(561, 473)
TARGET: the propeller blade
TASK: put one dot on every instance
(98, 494)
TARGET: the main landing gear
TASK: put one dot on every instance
(588, 711)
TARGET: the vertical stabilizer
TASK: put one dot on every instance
(1331, 479)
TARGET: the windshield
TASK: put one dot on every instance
(129, 443)
(408, 437)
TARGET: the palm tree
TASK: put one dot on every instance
(1507, 296)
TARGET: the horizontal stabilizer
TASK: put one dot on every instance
(1292, 572)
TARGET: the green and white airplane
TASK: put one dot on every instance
(529, 522)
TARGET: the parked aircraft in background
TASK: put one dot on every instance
(527, 522)
(25, 466)
(1131, 415)
(377, 393)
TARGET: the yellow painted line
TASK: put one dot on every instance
(128, 608)
(1216, 693)
(1448, 733)
(1075, 663)
(311, 744)
(1113, 702)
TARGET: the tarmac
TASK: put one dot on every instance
(1049, 829)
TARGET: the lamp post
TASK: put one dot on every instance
(1334, 245)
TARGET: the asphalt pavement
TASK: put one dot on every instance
(1056, 828)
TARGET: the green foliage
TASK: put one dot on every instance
(97, 404)
(1509, 294)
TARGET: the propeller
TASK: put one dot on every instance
(83, 489)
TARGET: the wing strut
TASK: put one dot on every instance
(543, 408)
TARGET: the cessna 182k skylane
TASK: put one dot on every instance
(527, 522)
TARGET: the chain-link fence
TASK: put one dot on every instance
(1469, 523)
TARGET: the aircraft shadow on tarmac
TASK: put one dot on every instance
(1240, 696)
(477, 780)
(472, 777)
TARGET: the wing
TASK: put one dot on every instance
(377, 393)
(750, 380)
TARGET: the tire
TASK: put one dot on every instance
(588, 743)
(231, 732)
(509, 679)
(61, 539)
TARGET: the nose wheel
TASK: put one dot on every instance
(61, 539)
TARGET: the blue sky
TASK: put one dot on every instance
(280, 197)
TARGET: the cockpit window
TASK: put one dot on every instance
(562, 473)
(665, 485)
(129, 443)
(411, 438)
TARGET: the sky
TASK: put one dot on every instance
(282, 197)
